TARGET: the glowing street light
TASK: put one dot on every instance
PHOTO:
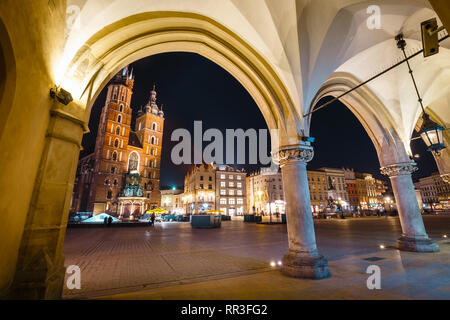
(430, 131)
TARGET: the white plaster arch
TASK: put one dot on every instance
(372, 114)
(340, 42)
(153, 33)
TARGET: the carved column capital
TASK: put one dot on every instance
(399, 169)
(446, 177)
(293, 153)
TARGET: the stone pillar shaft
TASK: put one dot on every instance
(40, 267)
(301, 225)
(414, 236)
(303, 260)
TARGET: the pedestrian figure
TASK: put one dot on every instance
(153, 219)
(109, 221)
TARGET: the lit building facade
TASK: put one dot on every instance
(172, 201)
(121, 177)
(209, 187)
(265, 192)
(352, 190)
(435, 192)
(318, 189)
(231, 190)
(200, 189)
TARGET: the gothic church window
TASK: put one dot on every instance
(133, 161)
(119, 118)
(118, 130)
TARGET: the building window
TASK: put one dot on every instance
(115, 93)
(119, 118)
(222, 176)
(201, 185)
(222, 183)
(223, 200)
(201, 178)
(240, 201)
(116, 143)
(231, 184)
(230, 177)
(121, 108)
(223, 192)
(133, 161)
(231, 201)
(115, 182)
(109, 195)
(239, 192)
(210, 178)
(154, 126)
(113, 170)
(231, 192)
(210, 187)
(107, 182)
(114, 156)
(153, 139)
(239, 184)
(118, 131)
(238, 177)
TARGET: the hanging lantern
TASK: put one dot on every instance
(431, 134)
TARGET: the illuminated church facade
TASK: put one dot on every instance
(121, 177)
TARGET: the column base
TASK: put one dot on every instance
(417, 245)
(305, 265)
(40, 289)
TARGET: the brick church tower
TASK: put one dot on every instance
(123, 179)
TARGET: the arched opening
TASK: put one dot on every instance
(394, 154)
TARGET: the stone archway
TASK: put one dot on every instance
(95, 63)
(393, 154)
(159, 32)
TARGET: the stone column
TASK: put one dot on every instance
(414, 236)
(40, 267)
(303, 260)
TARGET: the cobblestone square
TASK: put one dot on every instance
(175, 261)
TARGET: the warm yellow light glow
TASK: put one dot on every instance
(382, 246)
(272, 264)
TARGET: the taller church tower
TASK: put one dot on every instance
(123, 173)
(110, 155)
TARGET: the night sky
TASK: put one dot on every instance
(191, 88)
